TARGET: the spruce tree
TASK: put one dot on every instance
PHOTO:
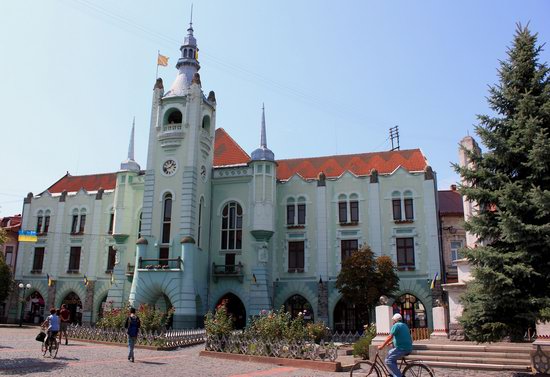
(510, 182)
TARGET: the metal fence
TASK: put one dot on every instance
(243, 344)
(159, 339)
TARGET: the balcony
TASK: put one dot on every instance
(227, 271)
(171, 135)
(157, 264)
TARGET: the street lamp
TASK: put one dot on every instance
(24, 287)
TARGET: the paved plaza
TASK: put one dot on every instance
(20, 355)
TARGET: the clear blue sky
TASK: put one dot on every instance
(334, 76)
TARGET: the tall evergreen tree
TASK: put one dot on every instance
(511, 184)
(6, 278)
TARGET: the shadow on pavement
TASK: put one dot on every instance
(151, 362)
(26, 366)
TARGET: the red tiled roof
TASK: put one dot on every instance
(450, 203)
(227, 151)
(358, 164)
(92, 182)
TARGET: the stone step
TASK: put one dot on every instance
(447, 353)
(474, 348)
(456, 365)
(478, 359)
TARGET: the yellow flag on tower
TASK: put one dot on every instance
(162, 60)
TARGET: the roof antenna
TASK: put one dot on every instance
(394, 135)
(191, 20)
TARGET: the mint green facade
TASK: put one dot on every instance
(166, 225)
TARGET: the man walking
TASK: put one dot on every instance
(402, 343)
(65, 316)
(132, 324)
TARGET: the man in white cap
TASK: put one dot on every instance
(402, 343)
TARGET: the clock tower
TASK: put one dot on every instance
(176, 193)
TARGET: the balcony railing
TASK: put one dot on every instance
(227, 271)
(160, 263)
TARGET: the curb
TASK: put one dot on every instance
(326, 366)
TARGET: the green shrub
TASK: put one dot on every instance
(544, 315)
(150, 319)
(317, 331)
(220, 323)
(361, 347)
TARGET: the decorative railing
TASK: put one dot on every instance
(246, 345)
(228, 270)
(343, 337)
(162, 339)
(420, 333)
(160, 264)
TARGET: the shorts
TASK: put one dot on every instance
(64, 326)
(53, 334)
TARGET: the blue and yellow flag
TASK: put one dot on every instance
(432, 286)
(27, 236)
(50, 280)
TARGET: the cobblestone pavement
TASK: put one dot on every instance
(20, 355)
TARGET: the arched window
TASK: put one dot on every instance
(232, 223)
(199, 230)
(348, 209)
(185, 53)
(298, 304)
(39, 221)
(46, 225)
(78, 221)
(402, 206)
(206, 123)
(412, 310)
(166, 218)
(174, 117)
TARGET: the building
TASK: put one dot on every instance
(205, 222)
(11, 225)
(453, 235)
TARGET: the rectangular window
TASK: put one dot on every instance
(342, 212)
(301, 214)
(354, 211)
(111, 223)
(396, 203)
(38, 260)
(455, 254)
(111, 259)
(39, 224)
(409, 213)
(165, 232)
(82, 224)
(405, 253)
(9, 255)
(164, 253)
(290, 214)
(74, 224)
(348, 247)
(74, 259)
(229, 263)
(296, 256)
(46, 224)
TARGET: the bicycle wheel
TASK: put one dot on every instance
(418, 369)
(54, 347)
(365, 368)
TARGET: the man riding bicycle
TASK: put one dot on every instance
(52, 321)
(402, 343)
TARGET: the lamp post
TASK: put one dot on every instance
(24, 287)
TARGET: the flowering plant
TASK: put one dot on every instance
(220, 322)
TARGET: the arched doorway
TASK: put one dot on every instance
(346, 318)
(74, 305)
(298, 304)
(412, 310)
(34, 308)
(235, 308)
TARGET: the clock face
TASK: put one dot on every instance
(169, 167)
(203, 173)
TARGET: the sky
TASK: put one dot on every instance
(334, 77)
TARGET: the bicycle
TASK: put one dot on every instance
(377, 368)
(51, 345)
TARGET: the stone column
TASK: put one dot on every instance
(322, 302)
(383, 326)
(88, 305)
(440, 323)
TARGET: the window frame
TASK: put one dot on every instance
(231, 227)
(111, 259)
(74, 259)
(296, 256)
(402, 246)
(38, 259)
(347, 249)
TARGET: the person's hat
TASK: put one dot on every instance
(397, 317)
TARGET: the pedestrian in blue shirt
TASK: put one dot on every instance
(402, 344)
(132, 324)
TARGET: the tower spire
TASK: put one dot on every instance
(187, 65)
(263, 137)
(129, 163)
(263, 153)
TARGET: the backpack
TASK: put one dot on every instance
(133, 326)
